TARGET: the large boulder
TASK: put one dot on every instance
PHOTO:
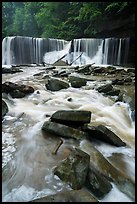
(63, 130)
(69, 117)
(102, 133)
(104, 167)
(74, 169)
(81, 195)
(56, 84)
(4, 108)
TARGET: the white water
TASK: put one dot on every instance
(27, 152)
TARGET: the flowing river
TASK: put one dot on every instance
(27, 159)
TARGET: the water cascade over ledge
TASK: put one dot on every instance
(20, 50)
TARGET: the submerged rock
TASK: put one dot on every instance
(4, 108)
(103, 133)
(104, 167)
(56, 85)
(68, 196)
(74, 169)
(63, 130)
(78, 117)
(97, 183)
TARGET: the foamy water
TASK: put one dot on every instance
(26, 152)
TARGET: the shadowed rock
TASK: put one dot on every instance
(97, 183)
(4, 108)
(16, 90)
(77, 82)
(56, 85)
(104, 167)
(103, 133)
(63, 130)
(68, 196)
(74, 169)
(105, 88)
(69, 117)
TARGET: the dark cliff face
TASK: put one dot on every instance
(119, 27)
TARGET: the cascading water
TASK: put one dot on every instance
(28, 50)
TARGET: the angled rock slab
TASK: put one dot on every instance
(63, 130)
(74, 169)
(97, 183)
(104, 167)
(104, 134)
(68, 196)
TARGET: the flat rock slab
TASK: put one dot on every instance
(63, 130)
(68, 196)
(71, 117)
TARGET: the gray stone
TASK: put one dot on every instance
(97, 183)
(74, 169)
(103, 133)
(105, 88)
(99, 162)
(63, 130)
(71, 117)
(56, 85)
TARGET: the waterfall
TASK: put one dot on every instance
(28, 50)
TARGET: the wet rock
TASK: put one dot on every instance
(97, 183)
(104, 134)
(105, 88)
(99, 70)
(130, 70)
(63, 130)
(10, 70)
(133, 115)
(113, 92)
(56, 85)
(104, 167)
(74, 169)
(17, 94)
(68, 196)
(118, 81)
(71, 117)
(119, 97)
(84, 69)
(60, 63)
(128, 79)
(16, 90)
(77, 82)
(4, 108)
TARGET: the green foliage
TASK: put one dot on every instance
(66, 20)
